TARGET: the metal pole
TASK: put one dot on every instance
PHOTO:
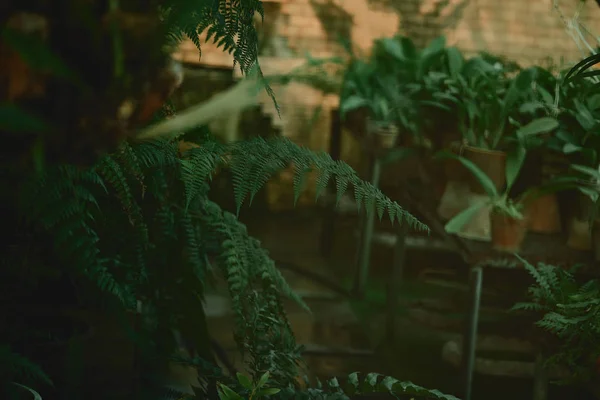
(470, 340)
(396, 278)
(330, 214)
(540, 378)
(366, 239)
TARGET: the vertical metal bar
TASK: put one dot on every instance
(540, 378)
(470, 339)
(396, 278)
(366, 239)
(330, 215)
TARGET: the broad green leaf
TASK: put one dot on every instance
(514, 163)
(461, 219)
(408, 47)
(519, 85)
(569, 148)
(591, 193)
(244, 381)
(593, 102)
(435, 46)
(225, 393)
(537, 126)
(263, 379)
(530, 107)
(591, 172)
(484, 180)
(546, 96)
(455, 61)
(393, 47)
(268, 391)
(352, 103)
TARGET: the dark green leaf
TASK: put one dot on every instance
(485, 181)
(263, 379)
(244, 381)
(456, 224)
(352, 103)
(514, 163)
(538, 126)
(268, 392)
(455, 61)
(225, 393)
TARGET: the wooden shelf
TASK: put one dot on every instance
(412, 242)
(551, 249)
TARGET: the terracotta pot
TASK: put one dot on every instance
(578, 230)
(544, 215)
(579, 235)
(507, 233)
(492, 162)
(383, 137)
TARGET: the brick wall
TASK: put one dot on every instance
(528, 31)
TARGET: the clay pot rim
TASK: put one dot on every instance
(481, 150)
(494, 212)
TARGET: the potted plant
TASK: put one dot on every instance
(363, 89)
(579, 141)
(485, 100)
(588, 236)
(508, 219)
(391, 84)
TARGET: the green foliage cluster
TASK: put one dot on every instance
(133, 235)
(332, 389)
(570, 312)
(477, 97)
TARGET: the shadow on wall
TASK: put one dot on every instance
(424, 20)
(336, 21)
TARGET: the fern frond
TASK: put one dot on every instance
(254, 161)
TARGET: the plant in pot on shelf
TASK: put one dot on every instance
(485, 101)
(366, 88)
(578, 140)
(589, 187)
(507, 220)
(508, 216)
(420, 71)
